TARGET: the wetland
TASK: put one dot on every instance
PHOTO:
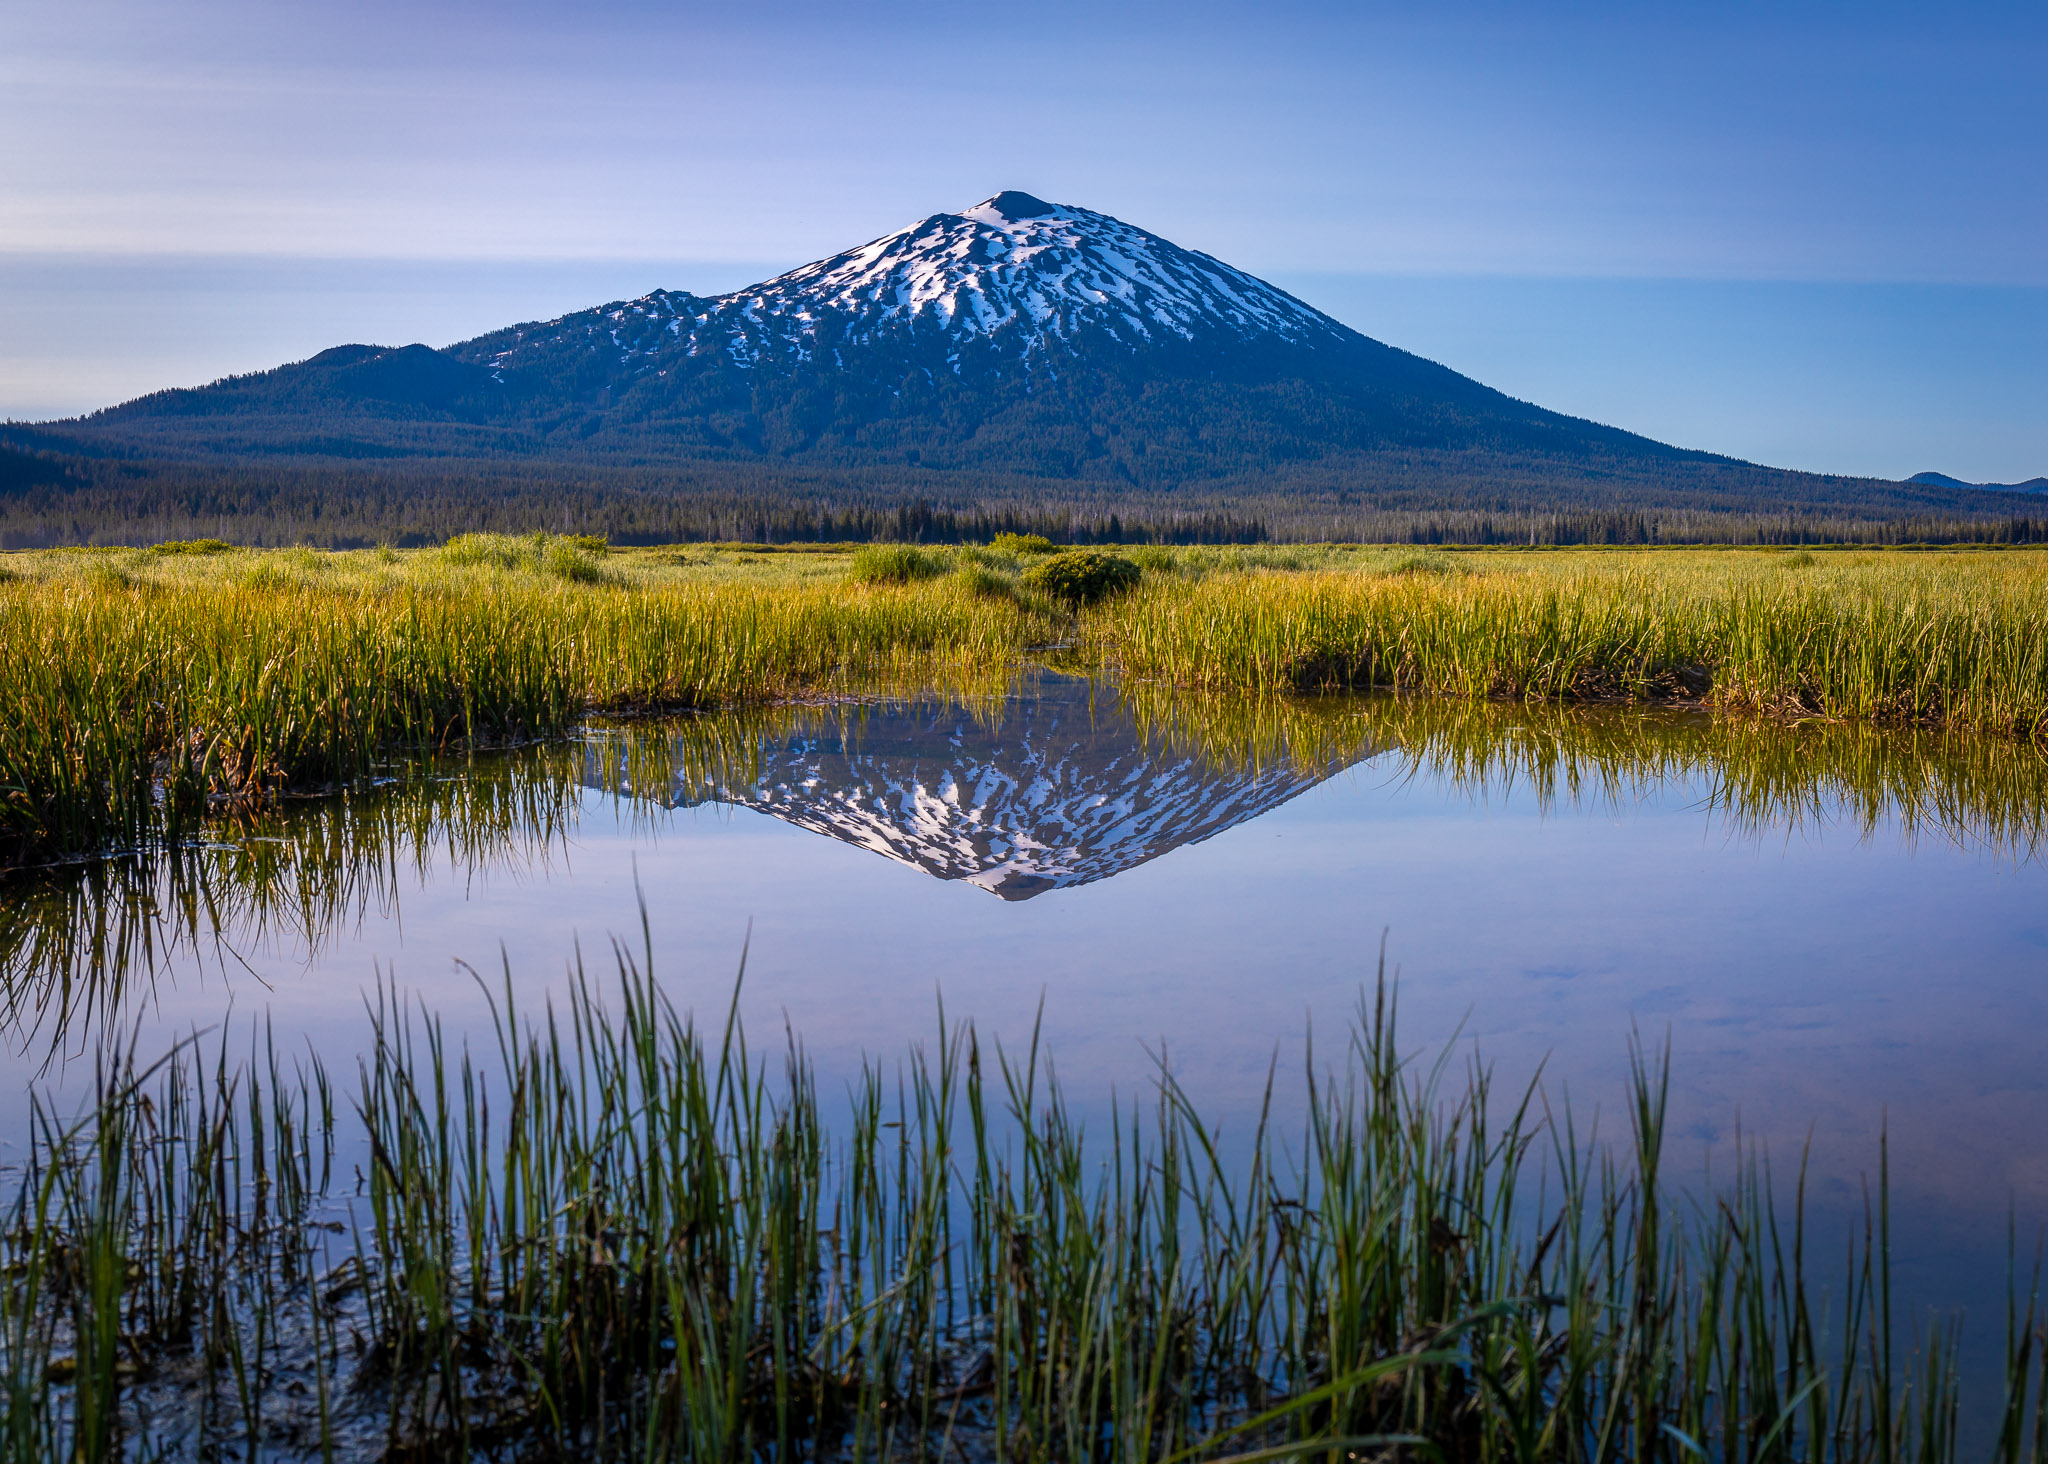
(1476, 1007)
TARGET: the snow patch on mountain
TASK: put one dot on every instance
(1014, 274)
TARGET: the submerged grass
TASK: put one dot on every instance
(141, 688)
(614, 1234)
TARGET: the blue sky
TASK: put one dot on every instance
(1812, 234)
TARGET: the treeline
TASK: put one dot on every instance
(48, 500)
(1677, 526)
(921, 523)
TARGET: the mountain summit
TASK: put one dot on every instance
(1014, 340)
(1013, 286)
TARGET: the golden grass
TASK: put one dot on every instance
(141, 685)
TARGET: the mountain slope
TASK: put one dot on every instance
(1012, 338)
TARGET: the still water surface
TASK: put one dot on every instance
(1840, 933)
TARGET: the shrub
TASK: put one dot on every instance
(894, 564)
(1803, 559)
(1083, 576)
(1022, 544)
(193, 546)
(597, 544)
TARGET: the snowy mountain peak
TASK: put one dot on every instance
(1009, 207)
(1013, 280)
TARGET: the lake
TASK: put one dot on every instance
(1840, 933)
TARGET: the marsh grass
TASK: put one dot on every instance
(1957, 640)
(128, 707)
(896, 564)
(144, 688)
(611, 1232)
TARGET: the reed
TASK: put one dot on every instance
(124, 711)
(1957, 640)
(142, 689)
(612, 1232)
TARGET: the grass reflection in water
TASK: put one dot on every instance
(74, 940)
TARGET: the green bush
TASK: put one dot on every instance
(1022, 544)
(597, 544)
(895, 564)
(193, 546)
(1083, 576)
(1802, 559)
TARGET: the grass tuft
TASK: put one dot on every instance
(895, 564)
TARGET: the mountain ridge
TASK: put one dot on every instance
(1943, 480)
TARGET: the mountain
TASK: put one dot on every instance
(1015, 337)
(1943, 480)
(1052, 789)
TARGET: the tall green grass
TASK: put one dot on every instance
(140, 689)
(1960, 642)
(123, 710)
(611, 1232)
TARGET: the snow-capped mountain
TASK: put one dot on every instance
(1028, 281)
(1015, 337)
(1058, 789)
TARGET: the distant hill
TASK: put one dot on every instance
(1015, 343)
(1943, 480)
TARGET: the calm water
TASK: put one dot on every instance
(1838, 932)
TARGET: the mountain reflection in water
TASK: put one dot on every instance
(1042, 792)
(1061, 784)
